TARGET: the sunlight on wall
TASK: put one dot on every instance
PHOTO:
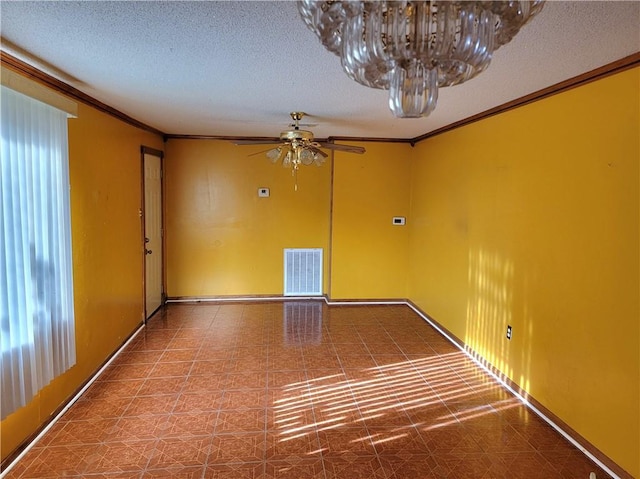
(542, 235)
(490, 309)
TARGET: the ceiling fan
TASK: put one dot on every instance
(298, 146)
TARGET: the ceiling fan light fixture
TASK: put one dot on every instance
(412, 48)
(307, 157)
(287, 158)
(274, 154)
(298, 147)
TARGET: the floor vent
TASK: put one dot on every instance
(303, 272)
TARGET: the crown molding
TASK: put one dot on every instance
(618, 66)
(17, 65)
(39, 76)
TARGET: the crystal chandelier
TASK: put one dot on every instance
(412, 48)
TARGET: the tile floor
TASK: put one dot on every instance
(297, 390)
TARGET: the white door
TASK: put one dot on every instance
(152, 232)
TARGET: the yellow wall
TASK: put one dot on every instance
(221, 238)
(368, 253)
(104, 160)
(530, 218)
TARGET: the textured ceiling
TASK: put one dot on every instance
(239, 68)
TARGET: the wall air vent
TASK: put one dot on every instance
(303, 272)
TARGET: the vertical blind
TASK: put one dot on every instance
(36, 284)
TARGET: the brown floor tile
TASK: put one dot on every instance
(121, 456)
(127, 372)
(244, 380)
(346, 442)
(468, 466)
(210, 367)
(530, 464)
(180, 451)
(145, 427)
(103, 408)
(359, 361)
(300, 446)
(353, 467)
(189, 402)
(163, 370)
(57, 461)
(179, 472)
(350, 349)
(398, 441)
(203, 384)
(160, 386)
(236, 421)
(290, 421)
(247, 364)
(211, 354)
(285, 362)
(178, 343)
(385, 415)
(189, 424)
(237, 448)
(117, 475)
(159, 404)
(136, 356)
(244, 399)
(287, 379)
(406, 466)
(92, 431)
(317, 361)
(306, 469)
(174, 355)
(122, 388)
(255, 351)
(251, 470)
(225, 391)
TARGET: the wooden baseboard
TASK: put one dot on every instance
(240, 299)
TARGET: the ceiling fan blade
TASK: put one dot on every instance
(318, 151)
(345, 148)
(256, 142)
(260, 152)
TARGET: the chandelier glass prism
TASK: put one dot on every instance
(412, 48)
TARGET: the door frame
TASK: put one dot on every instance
(145, 150)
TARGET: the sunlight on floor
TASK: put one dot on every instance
(390, 390)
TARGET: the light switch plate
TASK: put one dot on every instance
(399, 220)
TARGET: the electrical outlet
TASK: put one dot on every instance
(509, 332)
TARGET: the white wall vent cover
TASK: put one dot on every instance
(303, 272)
